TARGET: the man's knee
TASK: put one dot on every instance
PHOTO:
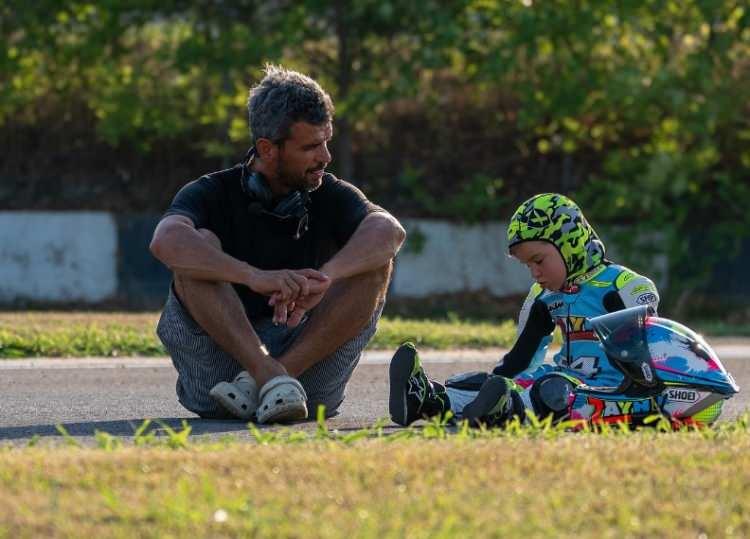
(187, 288)
(381, 276)
(374, 281)
(364, 292)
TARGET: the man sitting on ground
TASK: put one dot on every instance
(280, 269)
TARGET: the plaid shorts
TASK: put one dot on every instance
(201, 364)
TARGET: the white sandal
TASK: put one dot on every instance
(238, 397)
(282, 399)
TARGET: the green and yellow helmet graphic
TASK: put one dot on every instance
(557, 219)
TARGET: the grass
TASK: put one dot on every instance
(60, 334)
(77, 334)
(718, 328)
(536, 481)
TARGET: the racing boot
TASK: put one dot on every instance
(412, 395)
(497, 402)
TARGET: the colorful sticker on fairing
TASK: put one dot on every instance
(681, 394)
(673, 402)
(595, 410)
(576, 328)
(678, 400)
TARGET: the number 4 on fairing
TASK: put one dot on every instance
(586, 365)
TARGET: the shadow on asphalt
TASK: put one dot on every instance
(128, 427)
(124, 427)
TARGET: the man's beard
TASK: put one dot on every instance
(296, 182)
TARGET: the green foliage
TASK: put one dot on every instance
(416, 241)
(107, 441)
(144, 436)
(637, 109)
(177, 439)
(656, 90)
(443, 427)
(147, 72)
(69, 440)
(476, 199)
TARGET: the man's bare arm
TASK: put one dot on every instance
(376, 240)
(182, 248)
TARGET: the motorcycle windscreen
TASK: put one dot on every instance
(623, 336)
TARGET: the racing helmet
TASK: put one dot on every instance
(652, 351)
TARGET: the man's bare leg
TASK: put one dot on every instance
(343, 313)
(217, 308)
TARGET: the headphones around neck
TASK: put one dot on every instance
(291, 209)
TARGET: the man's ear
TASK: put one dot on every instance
(267, 150)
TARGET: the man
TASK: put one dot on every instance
(252, 328)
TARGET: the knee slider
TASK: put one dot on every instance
(551, 394)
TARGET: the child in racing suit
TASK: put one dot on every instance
(573, 282)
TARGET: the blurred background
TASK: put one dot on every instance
(449, 114)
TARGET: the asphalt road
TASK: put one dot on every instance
(116, 395)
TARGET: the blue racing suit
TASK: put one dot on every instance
(594, 286)
(609, 287)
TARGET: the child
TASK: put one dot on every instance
(573, 282)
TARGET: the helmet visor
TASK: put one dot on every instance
(623, 336)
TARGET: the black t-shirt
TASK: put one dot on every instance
(217, 202)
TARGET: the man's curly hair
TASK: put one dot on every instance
(283, 98)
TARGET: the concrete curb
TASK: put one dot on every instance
(371, 357)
